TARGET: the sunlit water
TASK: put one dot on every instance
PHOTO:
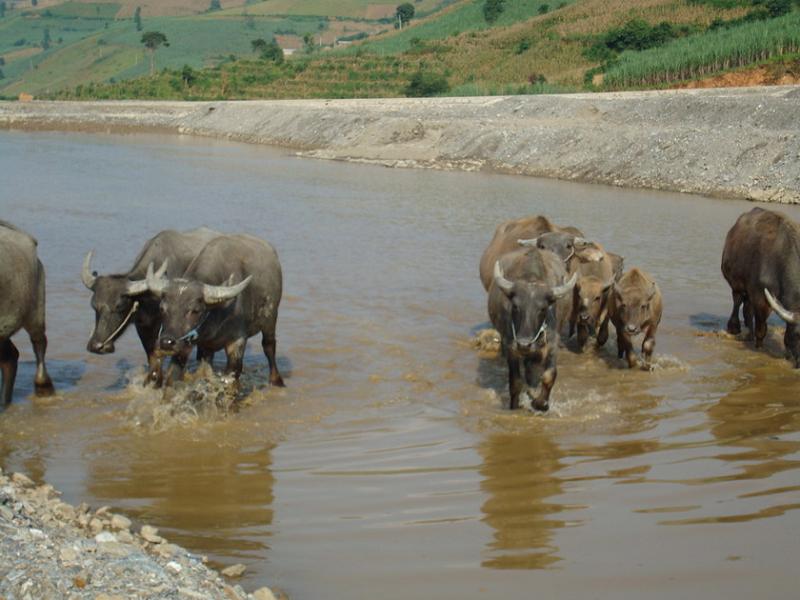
(388, 467)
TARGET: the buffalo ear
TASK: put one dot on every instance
(653, 290)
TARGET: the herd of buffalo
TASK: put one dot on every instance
(214, 291)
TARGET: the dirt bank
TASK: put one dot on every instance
(733, 142)
(50, 549)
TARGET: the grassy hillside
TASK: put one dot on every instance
(532, 46)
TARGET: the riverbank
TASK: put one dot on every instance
(50, 549)
(732, 142)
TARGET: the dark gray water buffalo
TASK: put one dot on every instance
(508, 235)
(528, 303)
(229, 293)
(761, 263)
(21, 307)
(120, 299)
(634, 307)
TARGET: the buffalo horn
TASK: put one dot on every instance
(564, 289)
(529, 242)
(156, 282)
(784, 314)
(214, 294)
(581, 241)
(87, 276)
(140, 287)
(500, 280)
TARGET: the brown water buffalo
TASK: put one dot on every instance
(590, 296)
(507, 238)
(761, 263)
(21, 307)
(528, 302)
(119, 300)
(634, 307)
(229, 293)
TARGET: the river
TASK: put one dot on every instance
(388, 467)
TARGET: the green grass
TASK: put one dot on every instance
(87, 10)
(467, 17)
(327, 8)
(706, 54)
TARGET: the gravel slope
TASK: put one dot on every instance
(730, 142)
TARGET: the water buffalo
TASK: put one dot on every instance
(528, 302)
(761, 263)
(590, 295)
(118, 300)
(507, 238)
(634, 306)
(21, 307)
(229, 293)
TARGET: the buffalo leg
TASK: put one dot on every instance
(177, 365)
(760, 314)
(625, 347)
(41, 382)
(205, 356)
(648, 345)
(548, 372)
(734, 326)
(515, 381)
(8, 365)
(583, 335)
(268, 344)
(602, 333)
(747, 310)
(148, 334)
(235, 354)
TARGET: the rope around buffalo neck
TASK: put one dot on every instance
(542, 329)
(124, 323)
(194, 333)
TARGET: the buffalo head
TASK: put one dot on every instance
(590, 296)
(633, 306)
(791, 338)
(115, 300)
(566, 245)
(530, 303)
(185, 307)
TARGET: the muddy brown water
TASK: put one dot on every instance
(388, 466)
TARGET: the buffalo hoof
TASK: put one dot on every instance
(44, 389)
(734, 328)
(277, 382)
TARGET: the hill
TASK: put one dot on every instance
(349, 50)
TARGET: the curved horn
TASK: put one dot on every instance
(528, 242)
(500, 280)
(582, 241)
(135, 288)
(214, 294)
(156, 282)
(87, 276)
(564, 289)
(783, 313)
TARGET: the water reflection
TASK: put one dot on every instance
(211, 496)
(520, 476)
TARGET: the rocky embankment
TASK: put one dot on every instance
(52, 550)
(731, 142)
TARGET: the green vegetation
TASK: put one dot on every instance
(702, 55)
(424, 83)
(492, 9)
(404, 13)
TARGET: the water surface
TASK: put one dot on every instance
(388, 466)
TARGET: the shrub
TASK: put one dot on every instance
(426, 84)
(492, 10)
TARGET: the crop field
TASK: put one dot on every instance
(708, 53)
(82, 10)
(360, 9)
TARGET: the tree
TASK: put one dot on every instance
(34, 2)
(46, 38)
(258, 45)
(214, 5)
(188, 75)
(308, 42)
(273, 51)
(152, 41)
(492, 10)
(2, 9)
(137, 18)
(404, 12)
(2, 75)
